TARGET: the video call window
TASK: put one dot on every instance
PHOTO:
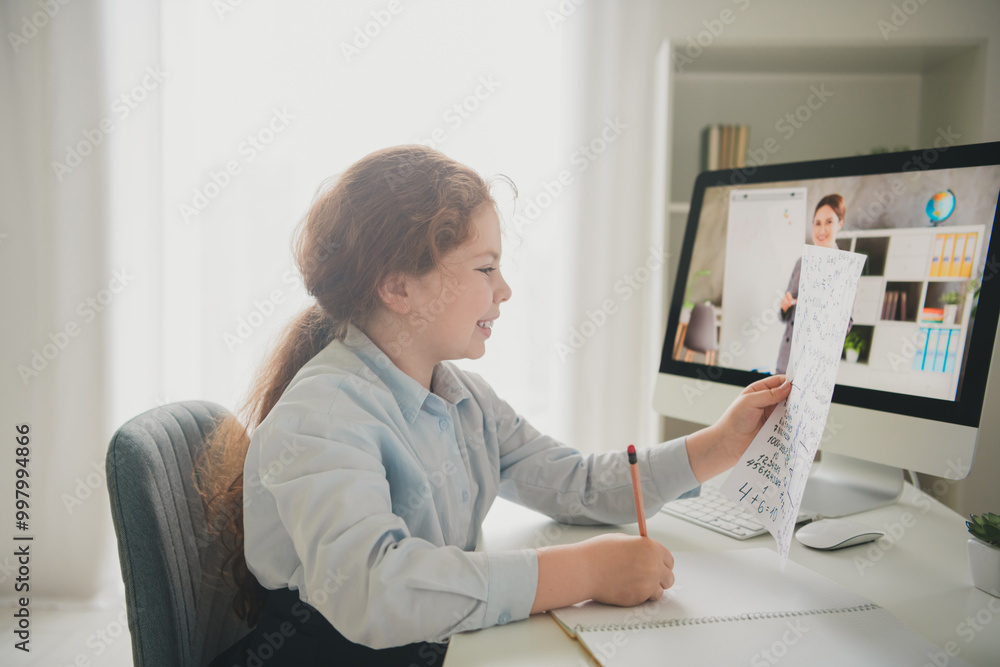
(924, 234)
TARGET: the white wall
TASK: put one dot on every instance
(851, 22)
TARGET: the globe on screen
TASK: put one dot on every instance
(940, 206)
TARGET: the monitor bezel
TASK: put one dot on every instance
(967, 407)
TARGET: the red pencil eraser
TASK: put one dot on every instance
(631, 449)
(632, 458)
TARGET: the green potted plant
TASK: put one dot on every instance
(688, 303)
(854, 346)
(973, 288)
(950, 300)
(984, 552)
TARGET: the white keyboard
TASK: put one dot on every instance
(716, 512)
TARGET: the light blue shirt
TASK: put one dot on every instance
(367, 493)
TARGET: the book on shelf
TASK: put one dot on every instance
(894, 306)
(724, 146)
(710, 148)
(932, 315)
(723, 157)
(742, 137)
(890, 305)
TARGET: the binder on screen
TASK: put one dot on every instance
(946, 254)
(936, 257)
(957, 255)
(970, 252)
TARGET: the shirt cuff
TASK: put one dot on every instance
(513, 584)
(671, 470)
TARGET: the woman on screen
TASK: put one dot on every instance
(828, 220)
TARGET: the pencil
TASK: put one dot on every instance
(637, 489)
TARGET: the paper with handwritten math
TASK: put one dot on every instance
(769, 479)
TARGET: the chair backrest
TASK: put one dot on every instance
(179, 608)
(701, 335)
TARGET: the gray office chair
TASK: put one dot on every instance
(701, 335)
(179, 608)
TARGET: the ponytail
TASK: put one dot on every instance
(220, 467)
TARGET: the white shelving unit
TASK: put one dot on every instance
(903, 349)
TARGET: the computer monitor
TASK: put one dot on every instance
(915, 372)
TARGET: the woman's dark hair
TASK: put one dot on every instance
(836, 202)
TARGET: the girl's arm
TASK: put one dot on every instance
(545, 475)
(540, 473)
(718, 447)
(627, 570)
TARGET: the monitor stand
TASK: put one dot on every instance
(839, 485)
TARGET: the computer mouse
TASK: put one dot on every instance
(836, 534)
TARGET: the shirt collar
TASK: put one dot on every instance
(409, 394)
(447, 385)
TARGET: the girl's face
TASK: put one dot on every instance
(454, 307)
(826, 224)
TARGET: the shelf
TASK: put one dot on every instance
(875, 249)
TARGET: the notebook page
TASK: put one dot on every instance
(872, 637)
(711, 584)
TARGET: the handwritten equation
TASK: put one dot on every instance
(770, 478)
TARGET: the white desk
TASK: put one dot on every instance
(921, 576)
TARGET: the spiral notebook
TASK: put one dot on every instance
(738, 607)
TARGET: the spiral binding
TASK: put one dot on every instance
(704, 620)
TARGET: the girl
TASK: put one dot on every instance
(373, 460)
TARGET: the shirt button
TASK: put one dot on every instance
(504, 618)
(465, 496)
(443, 424)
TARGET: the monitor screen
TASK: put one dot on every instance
(924, 321)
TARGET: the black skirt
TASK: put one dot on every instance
(293, 633)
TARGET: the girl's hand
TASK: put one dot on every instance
(744, 417)
(718, 447)
(616, 569)
(627, 570)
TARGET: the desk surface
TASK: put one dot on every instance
(919, 572)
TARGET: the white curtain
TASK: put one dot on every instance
(616, 233)
(78, 273)
(222, 119)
